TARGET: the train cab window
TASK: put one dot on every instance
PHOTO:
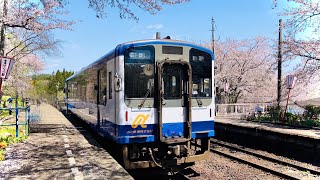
(201, 64)
(139, 72)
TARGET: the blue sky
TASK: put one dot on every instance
(92, 37)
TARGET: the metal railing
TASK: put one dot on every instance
(246, 109)
(239, 110)
(17, 121)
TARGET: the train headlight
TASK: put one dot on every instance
(197, 58)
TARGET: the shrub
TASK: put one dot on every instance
(2, 155)
(274, 112)
(3, 145)
(311, 123)
(7, 136)
(311, 112)
(293, 117)
(265, 119)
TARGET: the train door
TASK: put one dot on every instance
(99, 94)
(111, 99)
(174, 88)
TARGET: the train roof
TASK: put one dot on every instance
(122, 47)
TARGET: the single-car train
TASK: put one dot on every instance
(154, 98)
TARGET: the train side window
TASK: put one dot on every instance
(102, 86)
(110, 85)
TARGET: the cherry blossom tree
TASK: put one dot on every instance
(302, 36)
(26, 30)
(26, 64)
(301, 16)
(125, 6)
(20, 77)
(245, 66)
(32, 23)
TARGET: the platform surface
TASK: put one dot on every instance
(58, 150)
(309, 133)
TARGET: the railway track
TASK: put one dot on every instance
(233, 153)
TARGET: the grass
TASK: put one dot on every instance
(8, 136)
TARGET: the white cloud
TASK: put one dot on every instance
(154, 26)
(146, 29)
(72, 45)
(52, 65)
(54, 61)
(75, 46)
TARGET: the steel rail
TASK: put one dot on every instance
(182, 176)
(299, 167)
(255, 165)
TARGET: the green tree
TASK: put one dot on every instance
(49, 86)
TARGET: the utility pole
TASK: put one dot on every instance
(2, 36)
(279, 63)
(215, 68)
(212, 33)
(3, 27)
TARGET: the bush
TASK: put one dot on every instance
(310, 123)
(7, 136)
(265, 119)
(293, 117)
(275, 112)
(2, 155)
(312, 112)
(3, 145)
(310, 118)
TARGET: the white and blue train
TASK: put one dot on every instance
(154, 98)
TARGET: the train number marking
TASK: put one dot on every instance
(140, 120)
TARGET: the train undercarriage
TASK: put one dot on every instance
(164, 155)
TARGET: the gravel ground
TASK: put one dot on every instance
(285, 169)
(219, 167)
(311, 166)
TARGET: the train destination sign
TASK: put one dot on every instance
(5, 67)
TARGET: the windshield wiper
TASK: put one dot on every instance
(145, 98)
(199, 101)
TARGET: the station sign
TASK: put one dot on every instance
(290, 81)
(6, 65)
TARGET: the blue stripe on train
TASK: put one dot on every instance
(199, 129)
(127, 134)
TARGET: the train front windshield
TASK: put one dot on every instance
(201, 64)
(139, 72)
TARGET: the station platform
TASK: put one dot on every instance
(302, 132)
(299, 143)
(56, 149)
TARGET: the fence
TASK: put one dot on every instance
(15, 120)
(240, 110)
